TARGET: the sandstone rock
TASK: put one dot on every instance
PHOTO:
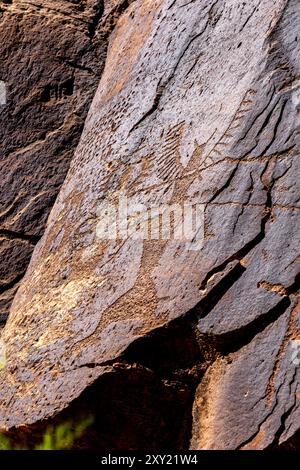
(51, 57)
(198, 104)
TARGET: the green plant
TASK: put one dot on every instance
(5, 443)
(61, 437)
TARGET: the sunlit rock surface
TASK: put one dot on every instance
(198, 104)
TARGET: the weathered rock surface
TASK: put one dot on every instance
(198, 103)
(51, 58)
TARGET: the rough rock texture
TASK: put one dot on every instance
(51, 57)
(199, 102)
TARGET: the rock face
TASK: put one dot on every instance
(51, 57)
(198, 105)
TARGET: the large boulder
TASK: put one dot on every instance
(198, 106)
(52, 54)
